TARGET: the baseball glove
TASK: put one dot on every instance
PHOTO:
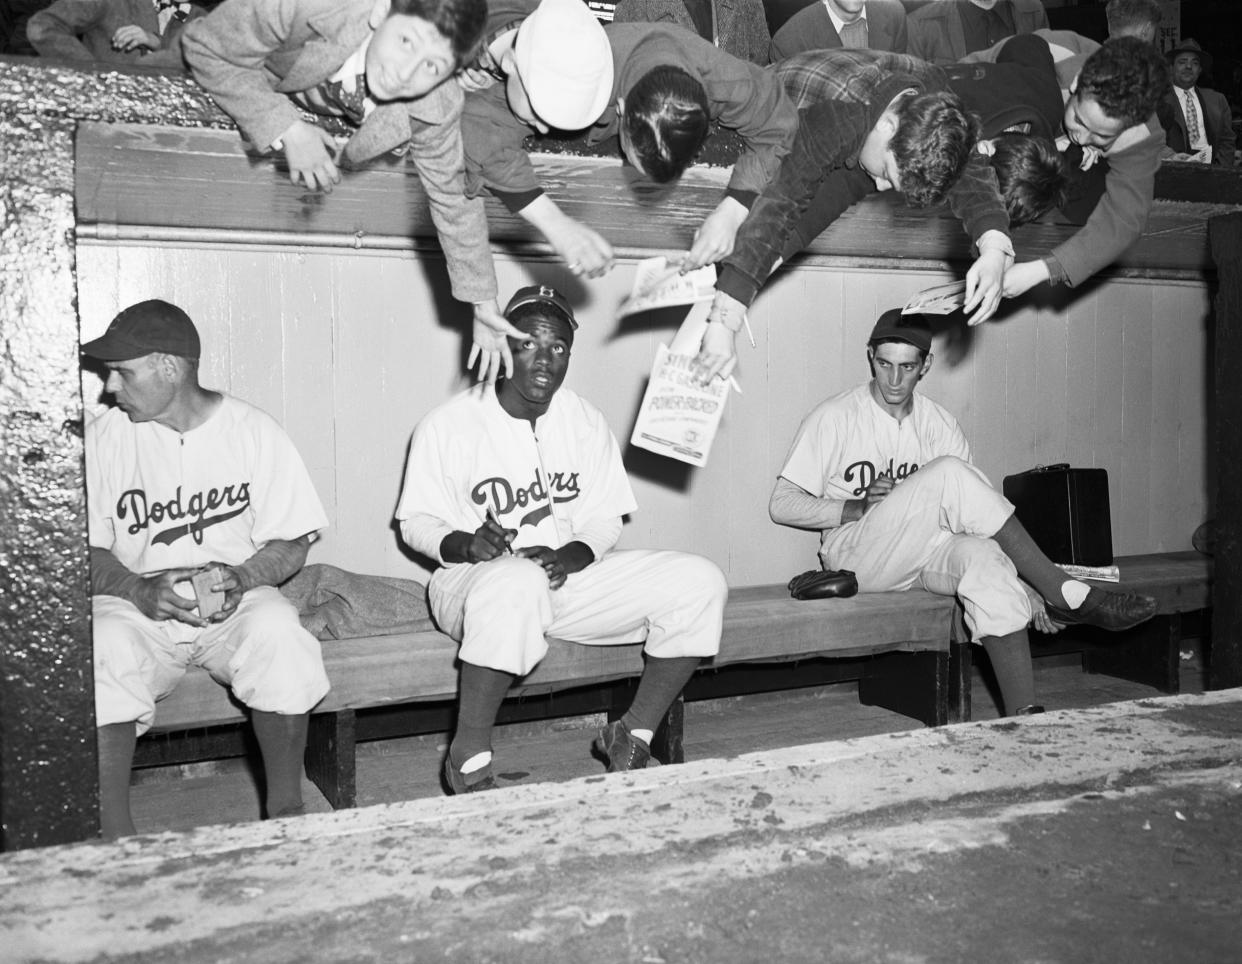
(823, 584)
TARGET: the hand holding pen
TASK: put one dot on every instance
(491, 539)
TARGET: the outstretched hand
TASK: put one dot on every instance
(717, 355)
(309, 152)
(491, 333)
(985, 285)
(133, 37)
(713, 241)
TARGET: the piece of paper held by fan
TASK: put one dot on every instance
(679, 416)
(659, 283)
(937, 300)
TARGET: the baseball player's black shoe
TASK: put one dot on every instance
(458, 782)
(621, 749)
(1108, 610)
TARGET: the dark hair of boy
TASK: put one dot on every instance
(1129, 17)
(1127, 78)
(667, 120)
(1033, 176)
(934, 139)
(461, 21)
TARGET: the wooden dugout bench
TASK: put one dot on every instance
(900, 645)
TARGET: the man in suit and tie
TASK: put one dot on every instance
(145, 33)
(1197, 123)
(825, 24)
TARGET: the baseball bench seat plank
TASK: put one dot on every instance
(1181, 583)
(762, 624)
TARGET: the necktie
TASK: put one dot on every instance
(1192, 120)
(854, 34)
(180, 8)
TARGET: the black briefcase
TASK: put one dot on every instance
(1066, 512)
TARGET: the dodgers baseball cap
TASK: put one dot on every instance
(913, 329)
(149, 326)
(542, 294)
(565, 62)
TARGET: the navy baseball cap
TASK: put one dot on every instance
(542, 294)
(913, 329)
(149, 326)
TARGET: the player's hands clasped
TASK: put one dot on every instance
(233, 585)
(309, 153)
(549, 560)
(156, 598)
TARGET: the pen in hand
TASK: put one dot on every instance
(494, 519)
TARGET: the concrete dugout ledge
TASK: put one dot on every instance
(878, 798)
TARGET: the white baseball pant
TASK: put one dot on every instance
(261, 652)
(501, 610)
(933, 531)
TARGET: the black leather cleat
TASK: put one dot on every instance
(619, 747)
(1108, 610)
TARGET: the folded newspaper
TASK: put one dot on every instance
(938, 300)
(1098, 573)
(658, 284)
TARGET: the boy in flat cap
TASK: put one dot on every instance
(885, 475)
(182, 480)
(519, 492)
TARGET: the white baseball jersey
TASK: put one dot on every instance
(549, 481)
(160, 499)
(847, 441)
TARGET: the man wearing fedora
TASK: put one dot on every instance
(198, 506)
(1197, 122)
(884, 474)
(518, 491)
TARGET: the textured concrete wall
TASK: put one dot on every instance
(46, 705)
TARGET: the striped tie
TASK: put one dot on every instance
(854, 34)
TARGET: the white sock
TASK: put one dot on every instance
(476, 762)
(1075, 592)
(644, 735)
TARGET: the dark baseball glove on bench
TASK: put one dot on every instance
(823, 584)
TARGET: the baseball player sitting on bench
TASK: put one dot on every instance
(885, 474)
(184, 482)
(519, 492)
